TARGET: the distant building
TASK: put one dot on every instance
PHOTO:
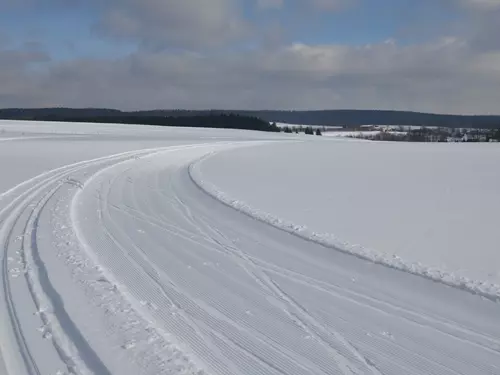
(474, 137)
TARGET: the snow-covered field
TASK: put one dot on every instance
(115, 260)
(432, 208)
(351, 134)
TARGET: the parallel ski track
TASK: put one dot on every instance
(157, 201)
(243, 297)
(19, 217)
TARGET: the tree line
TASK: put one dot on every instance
(345, 118)
(308, 130)
(219, 121)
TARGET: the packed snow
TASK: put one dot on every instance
(115, 260)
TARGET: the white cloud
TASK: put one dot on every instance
(450, 74)
(443, 76)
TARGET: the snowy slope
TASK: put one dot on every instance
(428, 208)
(115, 262)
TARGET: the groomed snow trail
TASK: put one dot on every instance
(56, 296)
(122, 265)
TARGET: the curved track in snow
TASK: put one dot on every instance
(122, 265)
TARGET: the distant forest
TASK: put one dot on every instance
(249, 119)
(192, 120)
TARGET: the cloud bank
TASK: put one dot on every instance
(190, 55)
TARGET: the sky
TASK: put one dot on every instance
(439, 56)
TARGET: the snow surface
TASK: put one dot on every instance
(114, 261)
(343, 133)
(431, 209)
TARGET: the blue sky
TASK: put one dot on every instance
(368, 21)
(429, 55)
(65, 32)
(69, 31)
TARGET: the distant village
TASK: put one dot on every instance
(424, 134)
(397, 133)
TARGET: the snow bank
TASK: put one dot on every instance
(427, 209)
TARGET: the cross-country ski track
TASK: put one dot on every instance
(122, 264)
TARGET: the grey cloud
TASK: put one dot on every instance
(458, 74)
(484, 30)
(482, 5)
(4, 38)
(443, 76)
(20, 59)
(173, 23)
(20, 82)
(478, 22)
(270, 4)
(329, 5)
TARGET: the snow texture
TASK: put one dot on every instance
(114, 262)
(427, 209)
